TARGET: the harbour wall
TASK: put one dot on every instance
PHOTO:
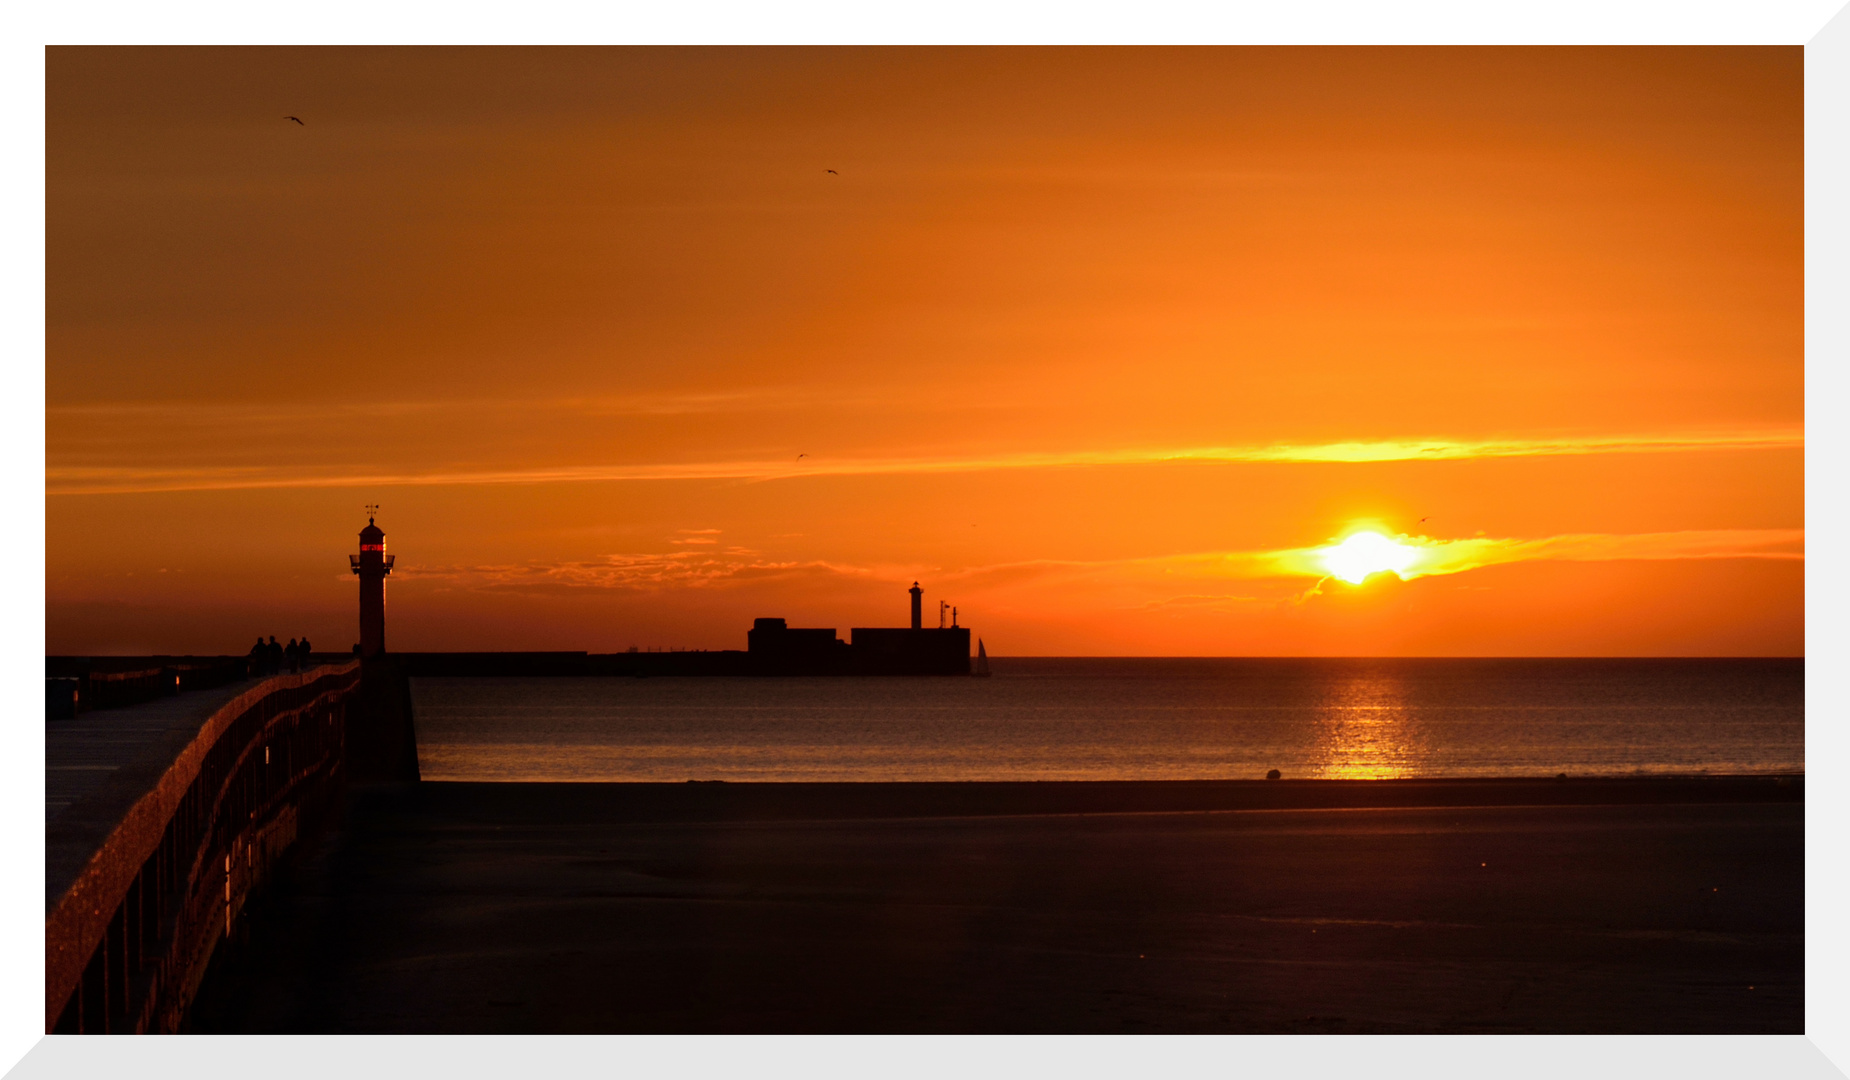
(891, 657)
(147, 874)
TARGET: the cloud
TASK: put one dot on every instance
(670, 570)
(1459, 449)
(1012, 573)
(103, 480)
(1215, 601)
(1276, 576)
(269, 415)
(1291, 574)
(1432, 557)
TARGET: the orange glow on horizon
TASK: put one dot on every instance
(1122, 351)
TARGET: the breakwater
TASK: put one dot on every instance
(881, 655)
(175, 812)
(77, 684)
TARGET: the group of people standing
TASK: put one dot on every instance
(269, 658)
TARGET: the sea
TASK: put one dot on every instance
(1130, 719)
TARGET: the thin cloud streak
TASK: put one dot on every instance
(1447, 450)
(1435, 557)
(104, 480)
(267, 414)
(634, 572)
(704, 569)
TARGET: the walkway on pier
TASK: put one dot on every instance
(160, 819)
(98, 764)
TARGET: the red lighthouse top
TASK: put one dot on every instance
(372, 557)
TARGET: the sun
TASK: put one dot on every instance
(1365, 553)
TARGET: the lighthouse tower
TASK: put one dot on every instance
(372, 564)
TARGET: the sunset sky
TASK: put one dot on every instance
(1106, 347)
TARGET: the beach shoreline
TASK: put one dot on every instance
(713, 800)
(1505, 905)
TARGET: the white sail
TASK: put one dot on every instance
(982, 660)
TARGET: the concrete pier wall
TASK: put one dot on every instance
(383, 744)
(147, 873)
(874, 652)
(77, 684)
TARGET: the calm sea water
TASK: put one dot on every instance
(1086, 719)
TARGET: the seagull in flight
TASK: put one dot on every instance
(800, 457)
(297, 119)
(831, 172)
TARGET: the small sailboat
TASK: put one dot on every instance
(981, 666)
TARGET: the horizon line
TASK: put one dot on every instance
(1037, 656)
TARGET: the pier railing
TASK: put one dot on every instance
(128, 942)
(73, 685)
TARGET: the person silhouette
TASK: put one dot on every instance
(275, 654)
(294, 653)
(304, 650)
(257, 656)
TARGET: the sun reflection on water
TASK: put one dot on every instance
(1366, 732)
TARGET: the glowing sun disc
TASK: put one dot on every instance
(1366, 553)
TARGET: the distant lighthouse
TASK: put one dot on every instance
(918, 606)
(372, 564)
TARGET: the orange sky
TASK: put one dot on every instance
(1081, 339)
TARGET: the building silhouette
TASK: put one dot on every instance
(776, 648)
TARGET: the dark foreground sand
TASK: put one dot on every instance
(1519, 906)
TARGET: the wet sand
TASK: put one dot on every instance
(1386, 906)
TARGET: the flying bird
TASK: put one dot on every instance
(831, 172)
(297, 119)
(1422, 519)
(800, 457)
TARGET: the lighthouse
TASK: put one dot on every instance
(372, 565)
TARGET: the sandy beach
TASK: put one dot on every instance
(1496, 906)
